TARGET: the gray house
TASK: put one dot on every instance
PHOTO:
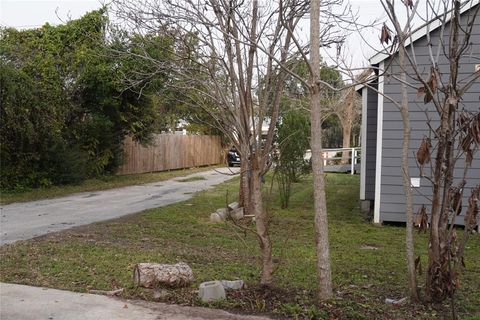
(381, 176)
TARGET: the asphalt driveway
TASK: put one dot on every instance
(21, 221)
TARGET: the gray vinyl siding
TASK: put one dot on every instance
(392, 205)
(371, 141)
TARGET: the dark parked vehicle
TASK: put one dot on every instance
(233, 157)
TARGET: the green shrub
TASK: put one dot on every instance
(293, 140)
(65, 164)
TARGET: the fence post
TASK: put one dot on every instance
(352, 168)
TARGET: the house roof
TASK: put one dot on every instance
(417, 34)
(423, 30)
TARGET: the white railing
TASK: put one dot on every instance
(330, 155)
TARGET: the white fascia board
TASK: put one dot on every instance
(360, 86)
(363, 143)
(369, 79)
(378, 164)
(421, 32)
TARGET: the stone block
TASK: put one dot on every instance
(233, 285)
(215, 217)
(237, 214)
(222, 212)
(211, 291)
(233, 206)
(150, 275)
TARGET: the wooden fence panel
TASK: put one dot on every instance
(171, 151)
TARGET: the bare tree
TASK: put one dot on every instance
(347, 109)
(452, 141)
(229, 67)
(401, 34)
(323, 32)
(234, 64)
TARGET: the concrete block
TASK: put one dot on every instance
(233, 285)
(215, 217)
(219, 215)
(365, 206)
(233, 206)
(222, 212)
(237, 214)
(211, 291)
(395, 302)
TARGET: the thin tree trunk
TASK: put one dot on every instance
(346, 129)
(243, 194)
(410, 251)
(438, 253)
(324, 277)
(261, 222)
(434, 236)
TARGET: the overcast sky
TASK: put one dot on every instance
(34, 13)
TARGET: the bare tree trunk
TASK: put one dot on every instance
(434, 289)
(324, 277)
(434, 241)
(346, 129)
(261, 222)
(412, 278)
(244, 192)
(438, 274)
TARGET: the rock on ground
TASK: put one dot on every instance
(211, 291)
(150, 275)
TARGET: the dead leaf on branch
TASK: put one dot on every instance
(455, 195)
(432, 84)
(463, 121)
(428, 97)
(470, 218)
(385, 36)
(421, 219)
(433, 81)
(420, 91)
(408, 3)
(423, 153)
(474, 129)
(466, 144)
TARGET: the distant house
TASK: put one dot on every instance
(381, 175)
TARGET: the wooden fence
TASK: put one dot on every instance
(171, 151)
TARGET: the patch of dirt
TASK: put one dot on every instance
(283, 303)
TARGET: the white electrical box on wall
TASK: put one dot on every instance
(415, 182)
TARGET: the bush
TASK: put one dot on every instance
(64, 110)
(65, 164)
(293, 140)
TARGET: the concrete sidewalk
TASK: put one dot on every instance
(21, 221)
(20, 302)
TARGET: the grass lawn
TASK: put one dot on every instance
(102, 256)
(103, 183)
